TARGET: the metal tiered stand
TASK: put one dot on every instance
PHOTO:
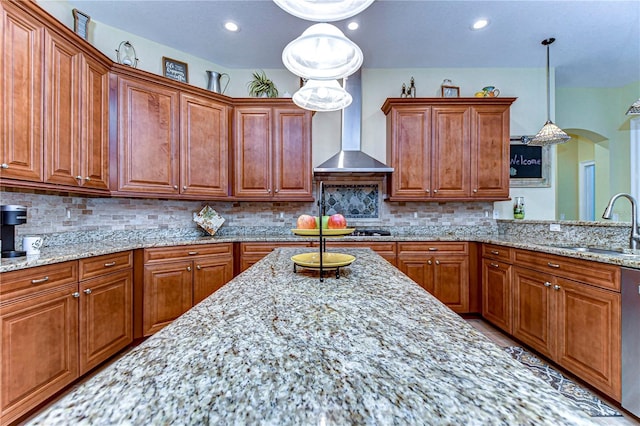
(322, 237)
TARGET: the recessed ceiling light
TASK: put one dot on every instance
(480, 24)
(353, 25)
(231, 26)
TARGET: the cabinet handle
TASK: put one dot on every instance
(429, 262)
(277, 190)
(175, 186)
(553, 265)
(556, 287)
(87, 179)
(475, 190)
(79, 177)
(495, 265)
(495, 252)
(110, 264)
(4, 165)
(40, 281)
(184, 187)
(76, 294)
(433, 248)
(87, 291)
(435, 190)
(192, 253)
(427, 191)
(189, 268)
(269, 190)
(198, 267)
(547, 284)
(437, 262)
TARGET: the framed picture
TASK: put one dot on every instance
(529, 166)
(81, 23)
(450, 91)
(175, 70)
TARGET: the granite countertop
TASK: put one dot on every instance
(68, 252)
(278, 347)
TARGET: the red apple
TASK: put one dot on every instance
(306, 222)
(336, 221)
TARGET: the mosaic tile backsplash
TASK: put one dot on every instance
(353, 201)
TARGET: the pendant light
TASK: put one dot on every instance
(322, 52)
(323, 10)
(634, 109)
(550, 134)
(322, 95)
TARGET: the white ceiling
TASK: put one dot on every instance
(597, 42)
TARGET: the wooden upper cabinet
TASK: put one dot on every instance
(448, 148)
(272, 151)
(148, 150)
(21, 76)
(204, 148)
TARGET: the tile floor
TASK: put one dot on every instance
(500, 339)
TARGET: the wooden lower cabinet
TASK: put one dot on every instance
(441, 268)
(496, 293)
(251, 253)
(177, 278)
(384, 248)
(577, 325)
(58, 322)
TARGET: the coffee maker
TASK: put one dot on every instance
(10, 216)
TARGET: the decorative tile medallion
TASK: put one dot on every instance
(353, 201)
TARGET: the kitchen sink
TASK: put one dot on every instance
(601, 250)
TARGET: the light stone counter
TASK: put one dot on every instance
(278, 348)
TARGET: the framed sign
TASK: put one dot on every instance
(175, 70)
(450, 91)
(81, 23)
(529, 166)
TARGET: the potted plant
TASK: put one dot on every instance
(261, 86)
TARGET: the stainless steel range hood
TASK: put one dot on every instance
(351, 159)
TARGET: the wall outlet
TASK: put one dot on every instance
(415, 215)
(555, 227)
(496, 214)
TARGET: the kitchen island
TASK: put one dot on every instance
(278, 347)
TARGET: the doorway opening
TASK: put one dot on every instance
(587, 190)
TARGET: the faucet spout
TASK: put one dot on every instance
(634, 240)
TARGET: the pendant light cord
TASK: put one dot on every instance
(547, 42)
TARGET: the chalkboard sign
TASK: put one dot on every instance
(529, 166)
(175, 70)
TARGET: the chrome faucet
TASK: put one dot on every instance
(634, 240)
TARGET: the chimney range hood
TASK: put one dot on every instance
(351, 159)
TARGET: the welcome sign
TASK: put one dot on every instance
(525, 162)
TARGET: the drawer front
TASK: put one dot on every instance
(106, 264)
(501, 253)
(24, 281)
(433, 247)
(181, 252)
(266, 248)
(594, 273)
(378, 246)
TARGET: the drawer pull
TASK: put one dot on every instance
(192, 253)
(79, 177)
(87, 178)
(553, 265)
(437, 262)
(198, 267)
(4, 166)
(87, 291)
(495, 252)
(429, 262)
(495, 265)
(40, 281)
(76, 294)
(556, 287)
(108, 265)
(189, 268)
(433, 248)
(547, 284)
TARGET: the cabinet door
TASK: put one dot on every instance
(167, 294)
(292, 176)
(106, 311)
(418, 269)
(490, 152)
(496, 293)
(204, 152)
(21, 77)
(39, 348)
(450, 152)
(589, 334)
(94, 116)
(409, 152)
(210, 274)
(533, 310)
(62, 112)
(148, 151)
(252, 153)
(451, 282)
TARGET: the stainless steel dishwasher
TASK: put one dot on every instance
(631, 340)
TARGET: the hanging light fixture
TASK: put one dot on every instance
(322, 95)
(634, 109)
(322, 52)
(550, 134)
(323, 10)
